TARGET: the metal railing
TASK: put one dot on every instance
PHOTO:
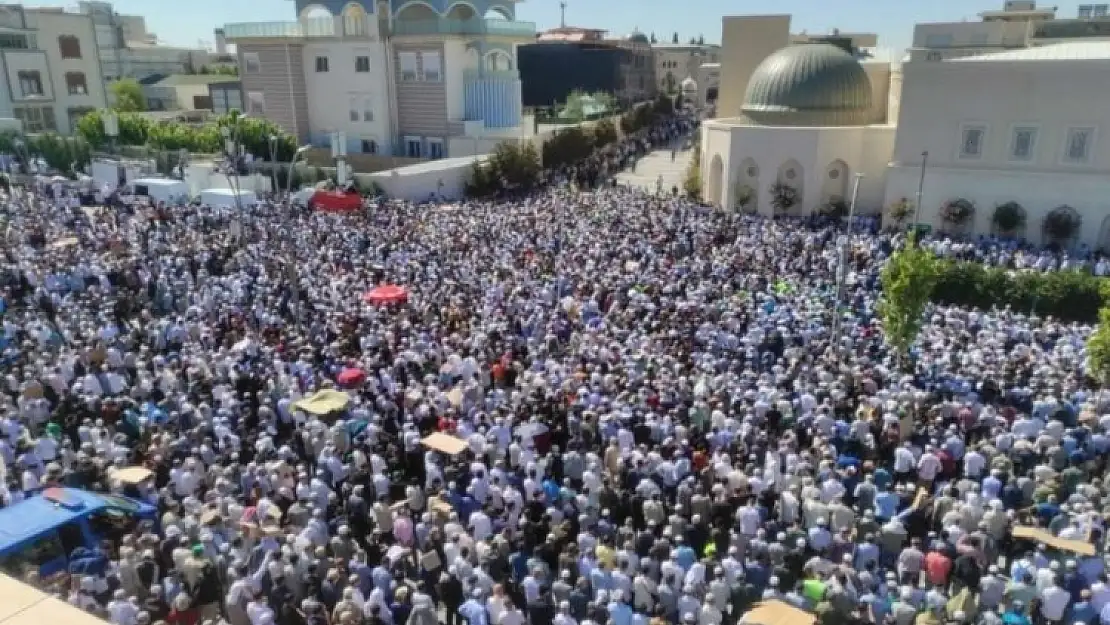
(310, 27)
(474, 74)
(475, 26)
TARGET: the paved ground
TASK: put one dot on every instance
(655, 163)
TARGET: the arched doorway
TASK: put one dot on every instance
(788, 190)
(745, 192)
(461, 11)
(835, 181)
(716, 179)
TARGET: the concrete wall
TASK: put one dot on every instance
(280, 77)
(941, 99)
(421, 105)
(745, 41)
(51, 25)
(341, 90)
(812, 153)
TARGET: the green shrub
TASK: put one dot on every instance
(1065, 295)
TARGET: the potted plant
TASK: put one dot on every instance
(1061, 224)
(835, 207)
(783, 197)
(957, 212)
(900, 210)
(745, 198)
(1009, 217)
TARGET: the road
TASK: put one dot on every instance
(656, 163)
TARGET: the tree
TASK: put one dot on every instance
(1009, 217)
(604, 133)
(783, 197)
(674, 39)
(691, 183)
(745, 197)
(900, 210)
(567, 147)
(908, 279)
(1061, 224)
(663, 105)
(127, 95)
(835, 207)
(1098, 344)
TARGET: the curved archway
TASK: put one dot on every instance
(315, 12)
(416, 10)
(498, 61)
(745, 192)
(788, 194)
(354, 19)
(716, 179)
(499, 12)
(461, 11)
(834, 181)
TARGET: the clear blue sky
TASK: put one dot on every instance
(184, 23)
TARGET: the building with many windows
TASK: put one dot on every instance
(569, 59)
(397, 77)
(675, 62)
(51, 69)
(128, 50)
(1026, 126)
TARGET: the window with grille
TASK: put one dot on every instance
(321, 64)
(362, 64)
(36, 118)
(1078, 148)
(971, 144)
(433, 66)
(76, 84)
(70, 47)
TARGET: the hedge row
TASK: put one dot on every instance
(1064, 295)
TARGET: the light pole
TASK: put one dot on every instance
(231, 145)
(292, 165)
(920, 189)
(842, 265)
(273, 164)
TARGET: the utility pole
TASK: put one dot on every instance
(563, 14)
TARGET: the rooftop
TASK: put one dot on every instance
(1067, 51)
(180, 80)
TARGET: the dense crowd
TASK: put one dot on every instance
(659, 424)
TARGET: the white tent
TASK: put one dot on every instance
(165, 190)
(226, 197)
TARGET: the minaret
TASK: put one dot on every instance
(562, 14)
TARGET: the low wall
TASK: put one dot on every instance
(359, 163)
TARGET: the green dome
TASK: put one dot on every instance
(811, 84)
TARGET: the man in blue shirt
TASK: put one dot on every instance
(473, 610)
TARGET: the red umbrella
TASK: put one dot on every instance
(351, 376)
(387, 294)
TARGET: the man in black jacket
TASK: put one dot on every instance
(450, 592)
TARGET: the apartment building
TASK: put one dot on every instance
(414, 78)
(129, 50)
(675, 62)
(1018, 24)
(51, 68)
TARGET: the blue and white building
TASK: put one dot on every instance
(413, 78)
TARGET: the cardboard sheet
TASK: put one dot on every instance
(1043, 536)
(778, 613)
(444, 443)
(323, 402)
(133, 475)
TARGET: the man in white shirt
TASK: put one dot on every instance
(1054, 602)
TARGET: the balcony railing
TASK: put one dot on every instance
(309, 27)
(475, 26)
(489, 74)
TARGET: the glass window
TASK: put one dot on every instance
(362, 64)
(11, 41)
(413, 147)
(938, 40)
(1022, 148)
(367, 110)
(321, 64)
(971, 144)
(75, 83)
(433, 71)
(407, 62)
(354, 109)
(70, 47)
(36, 118)
(435, 148)
(257, 102)
(1079, 144)
(369, 146)
(30, 83)
(33, 555)
(251, 63)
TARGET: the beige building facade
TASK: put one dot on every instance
(676, 62)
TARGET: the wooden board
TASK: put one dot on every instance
(133, 475)
(1035, 533)
(778, 613)
(445, 443)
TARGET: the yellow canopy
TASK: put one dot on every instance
(323, 402)
(133, 475)
(445, 443)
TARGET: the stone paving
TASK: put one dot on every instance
(656, 163)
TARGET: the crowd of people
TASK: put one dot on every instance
(658, 423)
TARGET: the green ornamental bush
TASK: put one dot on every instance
(1065, 295)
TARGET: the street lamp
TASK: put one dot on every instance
(273, 163)
(842, 265)
(231, 146)
(920, 189)
(292, 165)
